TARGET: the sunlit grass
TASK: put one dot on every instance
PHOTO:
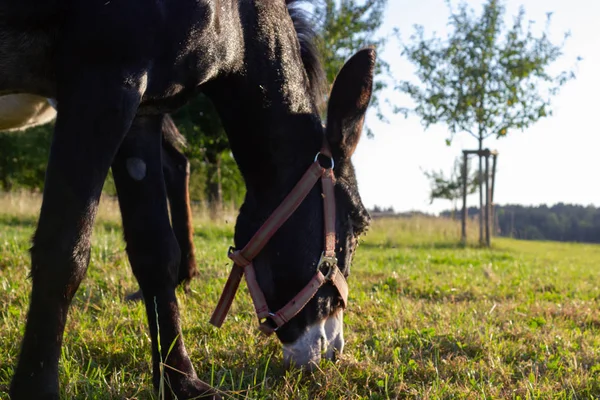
(427, 319)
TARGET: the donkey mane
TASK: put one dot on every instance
(311, 60)
(308, 51)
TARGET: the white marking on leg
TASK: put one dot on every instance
(136, 168)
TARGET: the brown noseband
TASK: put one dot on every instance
(327, 270)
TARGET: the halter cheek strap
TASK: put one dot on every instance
(327, 270)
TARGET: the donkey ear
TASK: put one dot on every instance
(348, 103)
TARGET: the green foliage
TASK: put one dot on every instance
(560, 222)
(23, 158)
(198, 178)
(234, 187)
(451, 188)
(213, 169)
(483, 79)
(346, 26)
(199, 122)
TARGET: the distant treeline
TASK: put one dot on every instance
(561, 222)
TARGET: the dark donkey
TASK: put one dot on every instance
(111, 63)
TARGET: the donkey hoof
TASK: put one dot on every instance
(17, 392)
(42, 397)
(136, 296)
(196, 389)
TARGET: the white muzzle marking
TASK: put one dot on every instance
(323, 339)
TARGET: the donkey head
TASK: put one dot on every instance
(290, 259)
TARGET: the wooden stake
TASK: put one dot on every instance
(465, 180)
(487, 200)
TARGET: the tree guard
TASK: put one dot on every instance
(486, 212)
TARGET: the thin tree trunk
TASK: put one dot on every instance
(494, 224)
(219, 183)
(480, 190)
(6, 184)
(488, 240)
(215, 187)
(463, 236)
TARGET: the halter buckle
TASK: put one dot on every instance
(326, 265)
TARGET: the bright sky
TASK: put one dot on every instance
(553, 161)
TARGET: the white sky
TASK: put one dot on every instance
(553, 161)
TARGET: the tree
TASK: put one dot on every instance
(199, 122)
(451, 188)
(344, 27)
(24, 157)
(483, 79)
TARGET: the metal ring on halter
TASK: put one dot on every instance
(329, 263)
(271, 315)
(330, 159)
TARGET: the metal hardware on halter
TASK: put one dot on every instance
(325, 155)
(263, 323)
(329, 262)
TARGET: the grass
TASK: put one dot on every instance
(427, 319)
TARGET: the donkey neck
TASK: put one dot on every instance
(272, 143)
(271, 120)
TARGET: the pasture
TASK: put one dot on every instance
(427, 319)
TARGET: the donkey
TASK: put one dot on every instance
(115, 67)
(22, 111)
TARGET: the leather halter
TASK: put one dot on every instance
(327, 270)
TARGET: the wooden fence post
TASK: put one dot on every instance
(488, 241)
(465, 180)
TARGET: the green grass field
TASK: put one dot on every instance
(427, 319)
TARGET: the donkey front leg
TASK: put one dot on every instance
(95, 115)
(154, 255)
